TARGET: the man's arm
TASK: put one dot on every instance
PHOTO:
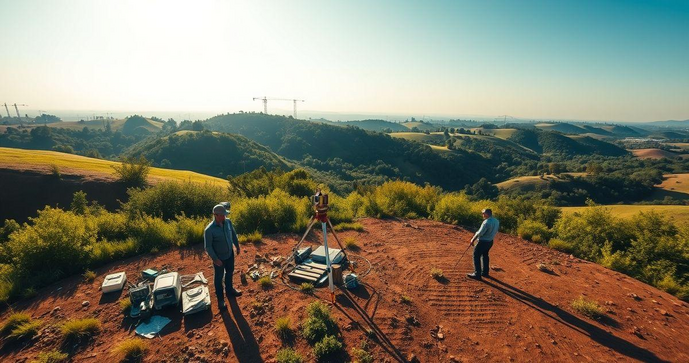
(235, 239)
(208, 244)
(481, 231)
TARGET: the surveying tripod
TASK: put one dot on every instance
(320, 215)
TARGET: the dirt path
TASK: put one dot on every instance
(521, 314)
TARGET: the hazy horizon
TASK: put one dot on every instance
(603, 61)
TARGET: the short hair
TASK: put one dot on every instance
(488, 211)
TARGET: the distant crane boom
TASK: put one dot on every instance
(8, 111)
(266, 99)
(17, 109)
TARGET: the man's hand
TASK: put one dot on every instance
(237, 250)
(217, 263)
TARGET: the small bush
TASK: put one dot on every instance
(306, 287)
(131, 349)
(534, 231)
(54, 356)
(89, 276)
(560, 245)
(125, 306)
(351, 244)
(55, 171)
(360, 355)
(81, 328)
(327, 347)
(354, 226)
(587, 307)
(25, 330)
(254, 237)
(190, 230)
(283, 328)
(265, 282)
(132, 171)
(319, 322)
(404, 299)
(437, 273)
(13, 321)
(288, 355)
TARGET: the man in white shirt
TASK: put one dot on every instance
(485, 236)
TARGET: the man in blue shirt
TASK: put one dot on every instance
(218, 238)
(485, 236)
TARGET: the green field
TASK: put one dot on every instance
(69, 164)
(432, 138)
(680, 213)
(499, 133)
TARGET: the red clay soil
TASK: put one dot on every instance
(519, 314)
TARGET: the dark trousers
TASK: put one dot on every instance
(226, 270)
(481, 253)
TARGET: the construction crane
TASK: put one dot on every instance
(266, 99)
(17, 109)
(8, 111)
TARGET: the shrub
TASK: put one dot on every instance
(131, 349)
(13, 321)
(170, 199)
(265, 282)
(319, 322)
(350, 244)
(81, 328)
(125, 305)
(560, 245)
(349, 226)
(404, 299)
(254, 237)
(437, 273)
(55, 171)
(152, 233)
(106, 251)
(402, 199)
(190, 230)
(456, 208)
(283, 328)
(53, 356)
(327, 347)
(531, 230)
(133, 171)
(55, 238)
(277, 212)
(306, 287)
(359, 355)
(288, 355)
(89, 276)
(587, 307)
(25, 330)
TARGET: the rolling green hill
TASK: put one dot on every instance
(547, 142)
(218, 154)
(353, 154)
(374, 125)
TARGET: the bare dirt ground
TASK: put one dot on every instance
(520, 314)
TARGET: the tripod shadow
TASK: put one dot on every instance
(345, 301)
(597, 334)
(242, 338)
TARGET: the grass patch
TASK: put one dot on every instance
(13, 321)
(53, 356)
(25, 330)
(265, 282)
(288, 355)
(306, 287)
(587, 307)
(125, 305)
(404, 299)
(81, 328)
(283, 328)
(360, 355)
(318, 323)
(354, 226)
(89, 276)
(327, 347)
(254, 237)
(131, 349)
(351, 244)
(437, 273)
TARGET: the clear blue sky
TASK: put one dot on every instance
(595, 60)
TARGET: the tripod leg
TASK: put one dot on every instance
(327, 262)
(332, 229)
(312, 222)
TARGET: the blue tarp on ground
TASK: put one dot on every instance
(154, 325)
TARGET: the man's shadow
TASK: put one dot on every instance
(241, 337)
(597, 334)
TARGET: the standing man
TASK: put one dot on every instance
(218, 238)
(485, 235)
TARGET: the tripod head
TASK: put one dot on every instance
(320, 205)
